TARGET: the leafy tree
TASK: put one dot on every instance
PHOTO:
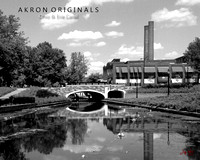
(77, 69)
(94, 77)
(46, 65)
(12, 46)
(42, 65)
(192, 54)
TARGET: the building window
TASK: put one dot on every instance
(124, 72)
(149, 72)
(117, 76)
(163, 74)
(177, 72)
(117, 73)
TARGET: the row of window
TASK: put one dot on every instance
(153, 75)
(153, 69)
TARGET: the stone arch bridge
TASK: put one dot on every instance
(103, 90)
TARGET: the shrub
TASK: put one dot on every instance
(22, 100)
(42, 93)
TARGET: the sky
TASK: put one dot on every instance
(106, 29)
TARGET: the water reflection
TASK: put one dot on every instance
(69, 135)
(86, 106)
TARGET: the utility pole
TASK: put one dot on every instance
(168, 83)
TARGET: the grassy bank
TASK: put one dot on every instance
(164, 89)
(185, 99)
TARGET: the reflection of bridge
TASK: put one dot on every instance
(100, 89)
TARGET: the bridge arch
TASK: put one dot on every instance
(116, 93)
(95, 95)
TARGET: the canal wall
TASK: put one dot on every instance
(153, 108)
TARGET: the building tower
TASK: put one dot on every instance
(149, 41)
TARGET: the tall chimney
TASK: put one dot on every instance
(151, 40)
(146, 43)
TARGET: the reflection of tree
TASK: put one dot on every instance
(78, 129)
(47, 141)
(10, 150)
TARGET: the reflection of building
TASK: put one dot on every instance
(148, 70)
(117, 125)
(148, 145)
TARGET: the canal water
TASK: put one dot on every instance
(99, 132)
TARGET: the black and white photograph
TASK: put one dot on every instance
(99, 80)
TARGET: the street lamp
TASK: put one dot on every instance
(188, 80)
(168, 82)
(136, 94)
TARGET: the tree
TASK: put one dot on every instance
(46, 65)
(12, 46)
(77, 69)
(20, 64)
(192, 54)
(94, 77)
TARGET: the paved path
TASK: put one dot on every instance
(13, 93)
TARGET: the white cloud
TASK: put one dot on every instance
(100, 44)
(95, 67)
(86, 43)
(81, 35)
(79, 44)
(86, 16)
(113, 24)
(124, 50)
(114, 34)
(128, 52)
(172, 55)
(87, 54)
(90, 56)
(158, 46)
(82, 3)
(175, 18)
(188, 2)
(55, 20)
(98, 65)
(75, 44)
